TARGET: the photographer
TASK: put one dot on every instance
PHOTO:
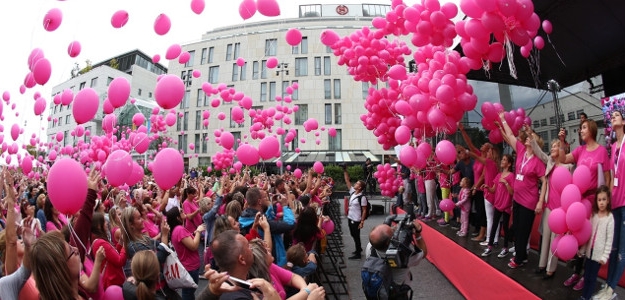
(356, 212)
(380, 241)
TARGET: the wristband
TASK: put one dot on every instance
(306, 290)
(419, 238)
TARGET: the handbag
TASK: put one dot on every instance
(175, 273)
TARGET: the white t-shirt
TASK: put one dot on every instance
(400, 275)
(354, 212)
(172, 202)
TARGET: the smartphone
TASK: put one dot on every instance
(243, 283)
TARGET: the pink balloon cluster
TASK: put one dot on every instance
(514, 118)
(388, 179)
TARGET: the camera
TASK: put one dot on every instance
(399, 250)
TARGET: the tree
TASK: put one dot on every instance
(87, 68)
(113, 63)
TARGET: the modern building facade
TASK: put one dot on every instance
(326, 91)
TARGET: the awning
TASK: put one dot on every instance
(329, 157)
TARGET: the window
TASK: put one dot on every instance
(337, 89)
(243, 72)
(204, 138)
(82, 86)
(571, 115)
(329, 49)
(198, 121)
(197, 143)
(579, 113)
(61, 108)
(552, 120)
(256, 109)
(233, 124)
(263, 91)
(536, 124)
(211, 54)
(67, 119)
(255, 70)
(182, 142)
(365, 90)
(207, 100)
(271, 46)
(317, 66)
(55, 108)
(178, 123)
(545, 136)
(189, 62)
(229, 52)
(237, 50)
(94, 82)
(272, 91)
(334, 142)
(327, 89)
(65, 136)
(186, 122)
(213, 74)
(328, 113)
(295, 94)
(204, 56)
(150, 95)
(301, 66)
(285, 84)
(108, 81)
(304, 45)
(263, 69)
(295, 49)
(187, 77)
(200, 98)
(237, 138)
(327, 67)
(554, 134)
(235, 72)
(561, 118)
(302, 114)
(295, 142)
(185, 100)
(337, 113)
(543, 122)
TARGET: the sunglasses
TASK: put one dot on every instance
(72, 251)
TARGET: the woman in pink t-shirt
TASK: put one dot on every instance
(502, 203)
(186, 244)
(191, 209)
(526, 205)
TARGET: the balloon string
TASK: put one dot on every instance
(75, 237)
(556, 51)
(510, 55)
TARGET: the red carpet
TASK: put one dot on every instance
(474, 278)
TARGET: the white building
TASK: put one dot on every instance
(135, 66)
(326, 91)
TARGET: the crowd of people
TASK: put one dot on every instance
(494, 193)
(249, 236)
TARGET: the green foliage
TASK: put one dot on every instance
(336, 172)
(113, 63)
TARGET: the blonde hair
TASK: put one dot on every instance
(234, 209)
(296, 255)
(260, 267)
(145, 269)
(49, 266)
(128, 233)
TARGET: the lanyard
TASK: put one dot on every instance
(618, 157)
(524, 162)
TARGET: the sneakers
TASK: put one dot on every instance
(461, 234)
(580, 285)
(511, 249)
(603, 292)
(442, 222)
(513, 264)
(487, 252)
(355, 257)
(484, 243)
(572, 280)
(504, 252)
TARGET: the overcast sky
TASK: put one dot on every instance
(89, 23)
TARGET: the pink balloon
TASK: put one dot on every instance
(85, 105)
(560, 178)
(169, 91)
(191, 146)
(167, 168)
(27, 164)
(118, 167)
(446, 152)
(156, 58)
(247, 154)
(328, 226)
(495, 137)
(141, 142)
(162, 24)
(583, 234)
(567, 247)
(297, 173)
(268, 8)
(40, 106)
(197, 73)
(408, 156)
(402, 135)
(570, 194)
(74, 48)
(184, 57)
(557, 221)
(539, 42)
(269, 147)
(173, 51)
(582, 178)
(67, 97)
(170, 119)
(52, 20)
(119, 19)
(240, 61)
(107, 107)
(227, 140)
(272, 62)
(247, 9)
(67, 186)
(447, 205)
(138, 119)
(575, 216)
(197, 6)
(332, 132)
(136, 175)
(293, 36)
(318, 167)
(42, 71)
(329, 37)
(118, 92)
(59, 136)
(547, 27)
(397, 72)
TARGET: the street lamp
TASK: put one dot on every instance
(282, 69)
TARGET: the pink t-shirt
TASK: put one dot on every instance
(503, 199)
(592, 159)
(443, 177)
(150, 228)
(478, 168)
(51, 226)
(455, 178)
(618, 192)
(430, 171)
(530, 169)
(463, 199)
(189, 207)
(279, 278)
(490, 171)
(189, 259)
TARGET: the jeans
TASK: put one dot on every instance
(189, 294)
(590, 278)
(523, 219)
(497, 215)
(616, 263)
(354, 231)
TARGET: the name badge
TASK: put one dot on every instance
(519, 177)
(615, 181)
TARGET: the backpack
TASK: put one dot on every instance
(376, 277)
(368, 210)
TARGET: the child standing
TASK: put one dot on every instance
(597, 249)
(465, 205)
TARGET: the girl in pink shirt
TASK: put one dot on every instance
(465, 206)
(502, 203)
(191, 209)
